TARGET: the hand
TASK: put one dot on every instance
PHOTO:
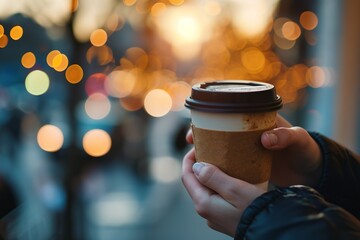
(218, 197)
(297, 158)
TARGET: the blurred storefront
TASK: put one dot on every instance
(92, 97)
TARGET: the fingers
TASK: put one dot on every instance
(235, 191)
(195, 189)
(281, 138)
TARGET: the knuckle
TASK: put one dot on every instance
(207, 175)
(202, 207)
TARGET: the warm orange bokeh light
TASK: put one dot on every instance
(176, 2)
(179, 91)
(16, 32)
(28, 60)
(158, 8)
(253, 60)
(98, 37)
(291, 30)
(131, 104)
(4, 40)
(2, 31)
(96, 142)
(157, 103)
(50, 138)
(120, 83)
(50, 57)
(74, 73)
(60, 62)
(129, 2)
(308, 20)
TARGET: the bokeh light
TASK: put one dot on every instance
(37, 82)
(28, 60)
(253, 60)
(50, 138)
(50, 57)
(98, 37)
(179, 91)
(291, 30)
(120, 83)
(60, 62)
(4, 40)
(96, 84)
(165, 169)
(97, 106)
(74, 73)
(308, 20)
(96, 142)
(2, 30)
(316, 77)
(16, 32)
(157, 103)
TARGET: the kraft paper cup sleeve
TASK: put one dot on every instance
(239, 154)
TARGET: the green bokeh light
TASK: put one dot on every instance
(37, 82)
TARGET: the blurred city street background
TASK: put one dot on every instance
(92, 94)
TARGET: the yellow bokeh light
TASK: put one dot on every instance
(16, 32)
(308, 20)
(50, 57)
(98, 37)
(129, 2)
(157, 9)
(37, 82)
(97, 106)
(50, 138)
(4, 41)
(28, 60)
(2, 31)
(176, 2)
(157, 103)
(74, 73)
(291, 30)
(253, 60)
(96, 142)
(60, 62)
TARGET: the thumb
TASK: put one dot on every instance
(281, 138)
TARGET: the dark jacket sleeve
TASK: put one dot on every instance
(296, 212)
(299, 212)
(340, 181)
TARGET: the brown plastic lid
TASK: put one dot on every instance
(234, 96)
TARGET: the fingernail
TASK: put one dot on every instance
(273, 139)
(197, 168)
